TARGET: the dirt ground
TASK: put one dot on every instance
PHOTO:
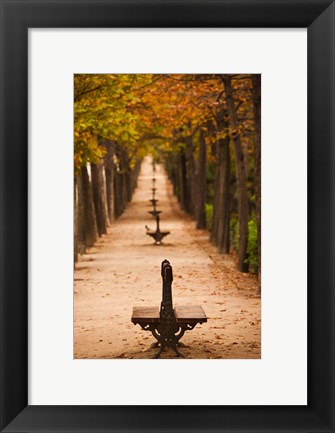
(123, 270)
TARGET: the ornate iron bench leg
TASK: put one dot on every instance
(182, 329)
(157, 355)
(161, 343)
(156, 345)
(175, 349)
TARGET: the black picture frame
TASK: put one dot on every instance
(16, 18)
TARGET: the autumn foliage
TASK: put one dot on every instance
(205, 128)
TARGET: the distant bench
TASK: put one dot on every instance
(168, 324)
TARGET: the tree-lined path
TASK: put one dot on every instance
(122, 270)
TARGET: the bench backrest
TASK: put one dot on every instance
(158, 229)
(167, 277)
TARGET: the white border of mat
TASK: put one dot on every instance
(280, 377)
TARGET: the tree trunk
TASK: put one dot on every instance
(118, 194)
(224, 212)
(86, 207)
(183, 183)
(201, 184)
(80, 221)
(257, 138)
(99, 198)
(133, 176)
(129, 185)
(216, 199)
(241, 177)
(109, 173)
(120, 187)
(221, 210)
(170, 167)
(138, 169)
(104, 187)
(75, 220)
(125, 178)
(190, 177)
(176, 175)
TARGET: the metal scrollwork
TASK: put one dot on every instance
(167, 331)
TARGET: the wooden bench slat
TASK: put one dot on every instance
(183, 314)
(167, 324)
(145, 314)
(193, 313)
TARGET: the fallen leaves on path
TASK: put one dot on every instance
(123, 270)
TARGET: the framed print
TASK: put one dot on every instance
(107, 346)
(185, 401)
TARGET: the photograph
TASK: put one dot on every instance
(167, 216)
(167, 208)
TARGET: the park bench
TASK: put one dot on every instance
(158, 235)
(154, 212)
(168, 324)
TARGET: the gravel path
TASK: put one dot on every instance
(123, 270)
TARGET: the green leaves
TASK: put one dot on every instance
(137, 110)
(101, 112)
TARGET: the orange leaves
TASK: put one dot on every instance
(130, 108)
(176, 100)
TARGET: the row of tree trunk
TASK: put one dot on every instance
(222, 202)
(188, 173)
(101, 193)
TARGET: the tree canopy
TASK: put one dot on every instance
(206, 127)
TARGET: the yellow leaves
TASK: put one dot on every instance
(221, 135)
(127, 107)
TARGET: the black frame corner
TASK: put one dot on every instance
(16, 18)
